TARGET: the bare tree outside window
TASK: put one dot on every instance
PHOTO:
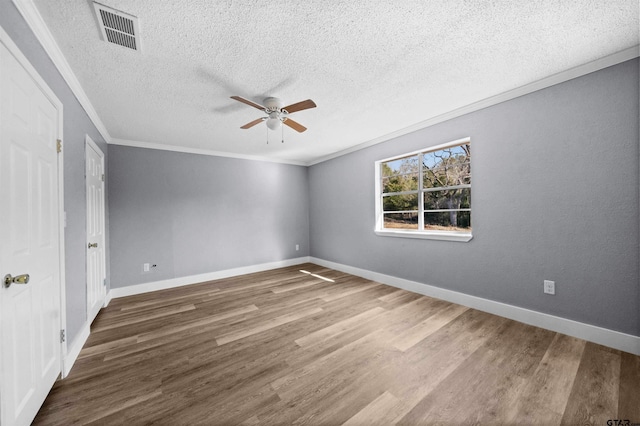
(447, 188)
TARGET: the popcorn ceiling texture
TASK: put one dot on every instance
(372, 67)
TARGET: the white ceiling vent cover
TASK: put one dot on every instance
(118, 27)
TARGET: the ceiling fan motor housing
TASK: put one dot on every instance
(273, 104)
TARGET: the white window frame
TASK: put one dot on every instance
(420, 232)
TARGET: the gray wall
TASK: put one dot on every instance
(76, 125)
(555, 196)
(193, 214)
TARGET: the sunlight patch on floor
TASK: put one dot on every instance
(317, 276)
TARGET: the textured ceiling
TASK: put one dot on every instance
(372, 67)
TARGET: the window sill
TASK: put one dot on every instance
(426, 235)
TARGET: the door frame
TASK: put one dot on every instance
(14, 50)
(90, 143)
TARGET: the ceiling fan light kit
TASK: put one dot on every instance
(276, 113)
(274, 123)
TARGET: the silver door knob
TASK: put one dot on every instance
(20, 279)
(94, 245)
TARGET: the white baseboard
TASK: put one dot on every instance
(74, 349)
(592, 333)
(194, 279)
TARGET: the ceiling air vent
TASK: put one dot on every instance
(118, 27)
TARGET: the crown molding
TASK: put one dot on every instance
(199, 151)
(33, 18)
(552, 80)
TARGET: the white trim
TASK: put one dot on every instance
(457, 142)
(174, 148)
(33, 18)
(107, 298)
(425, 235)
(24, 62)
(82, 337)
(195, 279)
(552, 80)
(62, 219)
(75, 349)
(419, 233)
(90, 143)
(51, 96)
(592, 333)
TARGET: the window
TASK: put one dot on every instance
(426, 194)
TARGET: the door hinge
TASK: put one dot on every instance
(58, 146)
(102, 177)
(62, 337)
(104, 282)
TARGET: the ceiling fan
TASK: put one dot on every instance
(276, 113)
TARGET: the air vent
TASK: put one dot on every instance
(118, 27)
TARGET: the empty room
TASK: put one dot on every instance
(320, 213)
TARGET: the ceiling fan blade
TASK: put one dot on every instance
(253, 123)
(299, 106)
(248, 102)
(294, 125)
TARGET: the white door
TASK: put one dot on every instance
(95, 229)
(29, 244)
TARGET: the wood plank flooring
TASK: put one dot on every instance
(286, 347)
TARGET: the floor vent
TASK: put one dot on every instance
(118, 27)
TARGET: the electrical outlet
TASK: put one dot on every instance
(297, 247)
(145, 267)
(549, 287)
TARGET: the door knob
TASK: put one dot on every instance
(20, 279)
(94, 245)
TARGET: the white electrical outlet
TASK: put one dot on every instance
(549, 287)
(297, 247)
(145, 267)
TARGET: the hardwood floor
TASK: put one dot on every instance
(286, 347)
